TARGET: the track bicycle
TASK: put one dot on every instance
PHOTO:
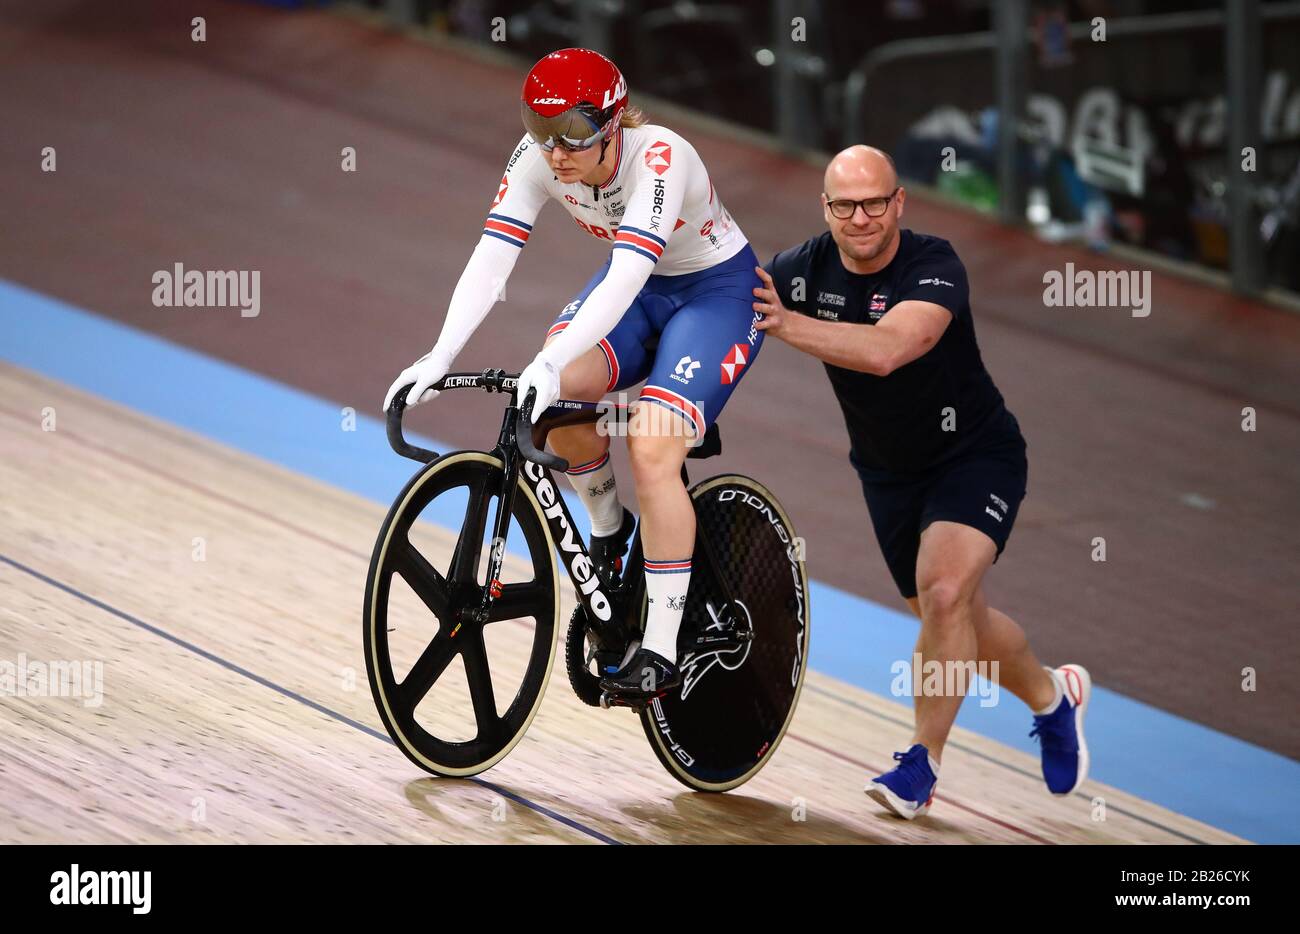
(742, 646)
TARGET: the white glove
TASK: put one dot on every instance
(541, 375)
(424, 372)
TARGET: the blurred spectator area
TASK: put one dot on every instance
(1119, 140)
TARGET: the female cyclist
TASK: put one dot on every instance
(672, 305)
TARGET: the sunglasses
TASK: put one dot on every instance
(569, 145)
(543, 130)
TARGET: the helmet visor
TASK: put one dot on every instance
(572, 129)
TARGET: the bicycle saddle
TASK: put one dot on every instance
(710, 445)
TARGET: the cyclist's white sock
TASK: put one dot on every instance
(666, 583)
(594, 482)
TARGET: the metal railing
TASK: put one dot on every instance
(856, 84)
(1241, 24)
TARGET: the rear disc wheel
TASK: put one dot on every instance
(727, 718)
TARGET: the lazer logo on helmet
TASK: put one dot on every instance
(614, 94)
(550, 100)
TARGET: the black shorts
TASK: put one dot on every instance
(981, 489)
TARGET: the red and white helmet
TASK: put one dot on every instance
(573, 97)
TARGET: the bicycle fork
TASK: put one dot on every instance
(510, 458)
(604, 608)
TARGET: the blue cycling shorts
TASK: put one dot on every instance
(691, 338)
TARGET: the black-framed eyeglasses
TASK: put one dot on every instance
(843, 208)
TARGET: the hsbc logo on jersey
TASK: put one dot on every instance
(659, 157)
(501, 192)
(733, 362)
(657, 209)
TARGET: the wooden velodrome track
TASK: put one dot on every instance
(235, 706)
(1132, 424)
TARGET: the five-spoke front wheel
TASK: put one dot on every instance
(460, 489)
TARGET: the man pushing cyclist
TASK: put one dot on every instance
(941, 459)
(670, 306)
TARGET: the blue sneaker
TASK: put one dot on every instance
(908, 788)
(1065, 754)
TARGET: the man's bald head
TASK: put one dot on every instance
(863, 182)
(857, 167)
(860, 169)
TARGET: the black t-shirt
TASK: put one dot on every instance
(924, 413)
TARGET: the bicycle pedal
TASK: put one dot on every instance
(716, 642)
(608, 700)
